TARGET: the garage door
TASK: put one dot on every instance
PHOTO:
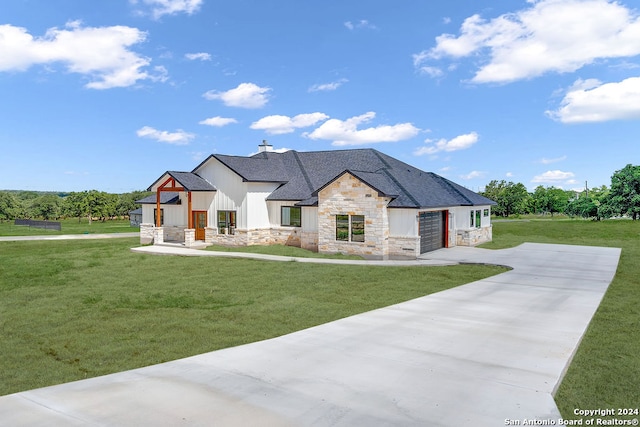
(432, 231)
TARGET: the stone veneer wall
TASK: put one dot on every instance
(404, 247)
(147, 233)
(309, 241)
(173, 233)
(268, 236)
(474, 236)
(347, 195)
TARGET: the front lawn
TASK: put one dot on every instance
(76, 309)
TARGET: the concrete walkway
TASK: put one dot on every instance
(476, 355)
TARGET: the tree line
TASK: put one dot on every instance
(91, 204)
(622, 198)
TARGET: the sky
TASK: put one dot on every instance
(109, 95)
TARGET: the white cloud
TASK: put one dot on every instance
(549, 36)
(179, 137)
(554, 177)
(246, 95)
(218, 121)
(473, 175)
(547, 161)
(325, 87)
(362, 24)
(160, 8)
(347, 133)
(100, 53)
(276, 125)
(461, 142)
(592, 101)
(202, 56)
(509, 174)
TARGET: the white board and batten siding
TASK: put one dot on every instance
(234, 194)
(309, 215)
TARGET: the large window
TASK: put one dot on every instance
(291, 216)
(226, 221)
(155, 216)
(350, 228)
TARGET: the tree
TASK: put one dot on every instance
(510, 198)
(45, 207)
(550, 200)
(10, 206)
(624, 196)
(584, 206)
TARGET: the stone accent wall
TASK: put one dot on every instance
(309, 241)
(347, 195)
(147, 233)
(404, 247)
(474, 236)
(173, 233)
(268, 236)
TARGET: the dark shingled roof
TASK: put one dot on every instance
(303, 174)
(189, 180)
(166, 198)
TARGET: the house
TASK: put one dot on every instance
(135, 217)
(359, 202)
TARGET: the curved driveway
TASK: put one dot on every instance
(476, 355)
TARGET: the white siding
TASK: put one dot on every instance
(403, 222)
(310, 219)
(173, 215)
(231, 194)
(255, 205)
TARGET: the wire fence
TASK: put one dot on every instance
(47, 225)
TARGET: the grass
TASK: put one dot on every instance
(69, 226)
(605, 372)
(76, 309)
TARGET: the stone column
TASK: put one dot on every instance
(209, 234)
(159, 236)
(147, 232)
(189, 237)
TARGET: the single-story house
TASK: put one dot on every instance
(358, 201)
(135, 217)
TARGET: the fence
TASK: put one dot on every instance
(47, 225)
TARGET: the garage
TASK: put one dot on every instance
(432, 230)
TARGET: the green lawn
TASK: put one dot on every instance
(605, 372)
(69, 226)
(281, 250)
(76, 309)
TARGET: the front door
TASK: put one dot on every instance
(199, 223)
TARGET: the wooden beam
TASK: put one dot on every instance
(166, 189)
(158, 216)
(190, 210)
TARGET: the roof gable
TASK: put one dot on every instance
(188, 180)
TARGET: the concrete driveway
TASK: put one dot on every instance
(476, 355)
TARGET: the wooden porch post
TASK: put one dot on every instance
(190, 221)
(158, 216)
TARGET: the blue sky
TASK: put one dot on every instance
(108, 95)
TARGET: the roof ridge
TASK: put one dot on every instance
(452, 187)
(393, 178)
(303, 170)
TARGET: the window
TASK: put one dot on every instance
(350, 228)
(486, 213)
(291, 216)
(155, 216)
(357, 228)
(226, 220)
(476, 219)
